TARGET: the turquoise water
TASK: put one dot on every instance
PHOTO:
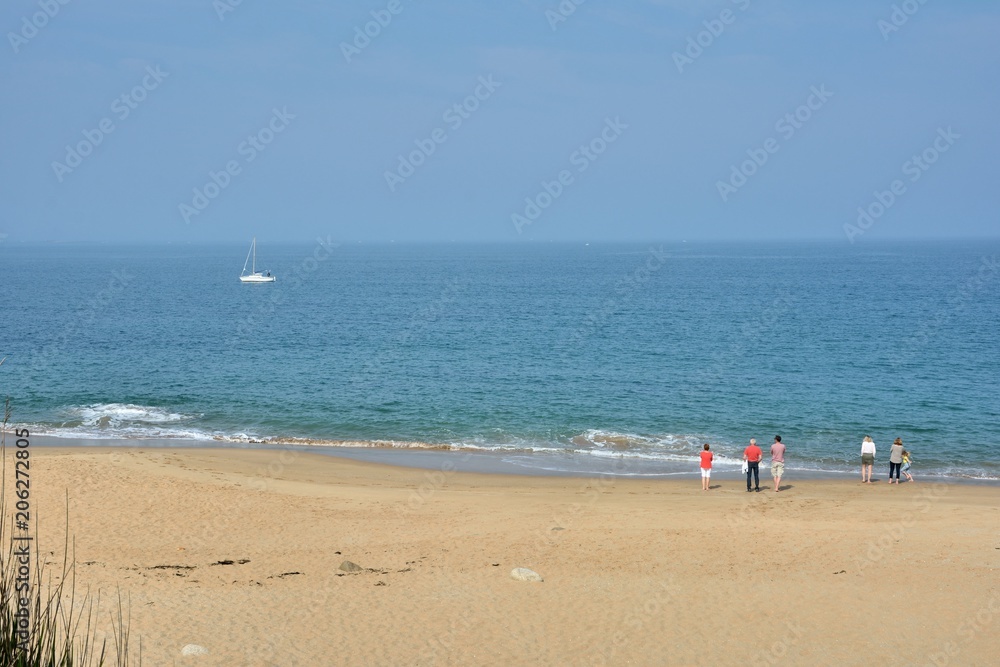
(549, 355)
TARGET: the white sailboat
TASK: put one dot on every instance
(254, 276)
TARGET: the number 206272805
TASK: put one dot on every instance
(22, 481)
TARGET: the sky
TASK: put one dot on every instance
(201, 121)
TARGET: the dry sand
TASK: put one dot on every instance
(636, 572)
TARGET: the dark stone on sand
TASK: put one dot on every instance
(348, 566)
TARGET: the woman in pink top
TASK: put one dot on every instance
(777, 462)
(706, 467)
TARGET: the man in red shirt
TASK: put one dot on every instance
(753, 455)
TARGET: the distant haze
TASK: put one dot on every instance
(398, 120)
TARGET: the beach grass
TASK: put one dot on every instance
(42, 622)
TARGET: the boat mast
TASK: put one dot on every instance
(254, 246)
(248, 257)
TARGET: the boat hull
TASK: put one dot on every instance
(256, 278)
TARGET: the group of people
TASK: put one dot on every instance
(752, 456)
(899, 460)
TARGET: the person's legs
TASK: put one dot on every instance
(756, 475)
(749, 472)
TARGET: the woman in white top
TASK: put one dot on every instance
(867, 459)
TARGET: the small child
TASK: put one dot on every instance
(906, 466)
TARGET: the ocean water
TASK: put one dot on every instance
(558, 357)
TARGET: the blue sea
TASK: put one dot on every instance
(545, 356)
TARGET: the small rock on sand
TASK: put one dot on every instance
(194, 649)
(524, 574)
(348, 566)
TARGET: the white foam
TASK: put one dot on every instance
(123, 420)
(121, 414)
(663, 453)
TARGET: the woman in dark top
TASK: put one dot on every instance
(895, 459)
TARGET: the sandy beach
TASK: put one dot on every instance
(239, 551)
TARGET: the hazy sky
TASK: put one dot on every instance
(201, 121)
